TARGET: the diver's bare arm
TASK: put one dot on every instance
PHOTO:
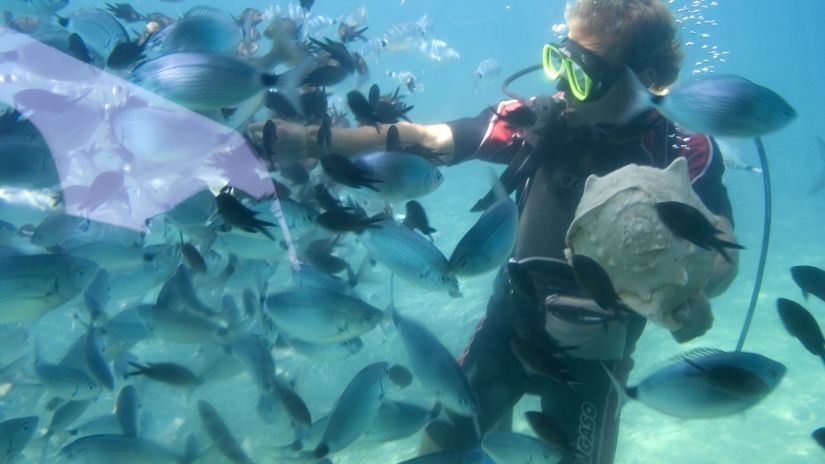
(724, 272)
(295, 142)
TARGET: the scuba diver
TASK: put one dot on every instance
(550, 146)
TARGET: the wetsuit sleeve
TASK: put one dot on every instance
(706, 169)
(485, 137)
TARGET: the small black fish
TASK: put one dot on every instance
(416, 218)
(338, 220)
(595, 282)
(125, 12)
(324, 137)
(319, 255)
(390, 108)
(125, 54)
(325, 199)
(338, 51)
(819, 436)
(802, 325)
(314, 104)
(238, 215)
(811, 280)
(278, 103)
(168, 373)
(269, 137)
(361, 108)
(688, 223)
(296, 173)
(192, 256)
(78, 48)
(547, 429)
(326, 73)
(342, 170)
(349, 33)
(294, 406)
(400, 376)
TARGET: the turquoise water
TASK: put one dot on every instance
(777, 45)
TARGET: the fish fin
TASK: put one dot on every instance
(625, 394)
(641, 99)
(289, 84)
(691, 355)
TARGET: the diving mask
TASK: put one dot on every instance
(588, 75)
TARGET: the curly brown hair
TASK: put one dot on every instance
(644, 30)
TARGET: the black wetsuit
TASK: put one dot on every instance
(558, 314)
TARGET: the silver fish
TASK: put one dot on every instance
(26, 164)
(220, 434)
(311, 277)
(437, 50)
(489, 242)
(179, 326)
(67, 382)
(106, 423)
(707, 383)
(110, 256)
(402, 36)
(487, 72)
(126, 411)
(126, 327)
(355, 410)
(67, 413)
(15, 434)
(327, 351)
(108, 449)
(32, 285)
(395, 420)
(99, 29)
(320, 316)
(12, 344)
(718, 104)
(517, 448)
(257, 359)
(95, 363)
(160, 264)
(401, 176)
(203, 81)
(56, 229)
(435, 367)
(409, 255)
(203, 29)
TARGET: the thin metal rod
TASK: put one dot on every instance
(766, 236)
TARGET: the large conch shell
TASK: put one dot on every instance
(652, 270)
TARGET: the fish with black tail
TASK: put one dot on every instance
(689, 387)
(237, 215)
(811, 281)
(339, 220)
(802, 325)
(595, 282)
(819, 436)
(168, 373)
(689, 223)
(416, 218)
(717, 104)
(344, 171)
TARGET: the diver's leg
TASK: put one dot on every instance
(495, 376)
(587, 410)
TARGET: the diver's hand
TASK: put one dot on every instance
(695, 316)
(291, 143)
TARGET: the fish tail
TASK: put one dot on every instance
(641, 101)
(321, 451)
(625, 394)
(720, 246)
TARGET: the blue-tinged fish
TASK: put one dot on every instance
(221, 435)
(65, 382)
(105, 423)
(802, 325)
(204, 81)
(99, 29)
(26, 164)
(96, 365)
(355, 411)
(15, 434)
(409, 255)
(327, 351)
(65, 414)
(810, 279)
(309, 276)
(489, 242)
(257, 359)
(320, 316)
(111, 257)
(395, 420)
(126, 327)
(517, 448)
(32, 285)
(159, 264)
(718, 104)
(56, 229)
(13, 344)
(202, 29)
(435, 367)
(400, 176)
(32, 7)
(126, 411)
(708, 383)
(405, 35)
(180, 326)
(108, 449)
(168, 373)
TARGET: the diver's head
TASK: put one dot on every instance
(605, 37)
